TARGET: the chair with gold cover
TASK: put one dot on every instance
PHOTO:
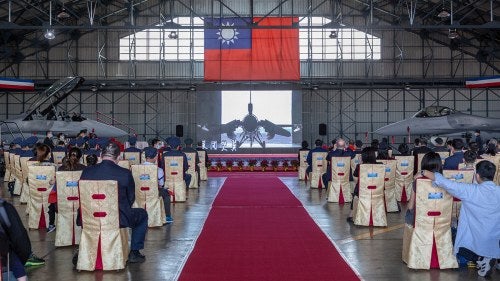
(133, 157)
(391, 203)
(24, 198)
(191, 158)
(303, 165)
(404, 177)
(6, 158)
(370, 210)
(103, 245)
(443, 155)
(354, 162)
(146, 193)
(39, 177)
(124, 164)
(319, 166)
(465, 176)
(202, 165)
(174, 177)
(18, 175)
(339, 188)
(68, 201)
(420, 156)
(428, 244)
(58, 157)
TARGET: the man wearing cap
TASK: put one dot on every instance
(132, 141)
(135, 218)
(150, 153)
(175, 144)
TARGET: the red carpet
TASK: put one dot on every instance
(257, 230)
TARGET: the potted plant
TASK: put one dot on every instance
(295, 164)
(285, 164)
(218, 164)
(240, 164)
(252, 163)
(264, 164)
(208, 164)
(275, 163)
(229, 164)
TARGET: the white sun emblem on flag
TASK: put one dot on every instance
(228, 35)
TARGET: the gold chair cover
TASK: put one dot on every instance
(303, 164)
(146, 193)
(124, 164)
(58, 157)
(404, 177)
(354, 162)
(174, 178)
(24, 172)
(39, 177)
(443, 155)
(191, 158)
(103, 244)
(371, 208)
(432, 227)
(391, 203)
(319, 166)
(420, 156)
(202, 165)
(68, 201)
(6, 158)
(339, 188)
(18, 186)
(133, 157)
(465, 176)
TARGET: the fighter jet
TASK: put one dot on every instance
(443, 121)
(43, 115)
(251, 127)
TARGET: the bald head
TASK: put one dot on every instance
(340, 144)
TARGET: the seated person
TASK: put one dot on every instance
(457, 156)
(135, 218)
(479, 225)
(175, 143)
(318, 148)
(368, 156)
(470, 157)
(150, 153)
(431, 162)
(339, 151)
(132, 141)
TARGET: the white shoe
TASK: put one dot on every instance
(485, 266)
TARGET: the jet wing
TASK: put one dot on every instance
(273, 129)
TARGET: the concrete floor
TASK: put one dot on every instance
(374, 252)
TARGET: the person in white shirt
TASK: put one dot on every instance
(479, 224)
(150, 153)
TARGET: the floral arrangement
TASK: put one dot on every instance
(208, 164)
(295, 163)
(240, 164)
(264, 163)
(252, 162)
(229, 163)
(275, 163)
(218, 164)
(285, 163)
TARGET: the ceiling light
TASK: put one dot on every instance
(173, 35)
(333, 34)
(453, 34)
(407, 87)
(192, 88)
(49, 34)
(443, 14)
(315, 87)
(63, 14)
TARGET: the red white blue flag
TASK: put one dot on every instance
(17, 84)
(483, 82)
(252, 49)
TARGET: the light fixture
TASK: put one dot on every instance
(192, 88)
(443, 14)
(49, 34)
(173, 35)
(453, 34)
(315, 87)
(63, 14)
(333, 34)
(407, 86)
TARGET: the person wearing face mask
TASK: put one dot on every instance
(48, 140)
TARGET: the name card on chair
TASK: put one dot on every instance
(71, 184)
(174, 164)
(319, 158)
(458, 177)
(41, 177)
(340, 164)
(405, 163)
(144, 177)
(372, 175)
(435, 195)
(387, 169)
(131, 158)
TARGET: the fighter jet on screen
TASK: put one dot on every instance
(443, 121)
(43, 115)
(251, 127)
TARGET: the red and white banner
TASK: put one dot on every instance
(17, 84)
(483, 82)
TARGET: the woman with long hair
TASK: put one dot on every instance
(69, 163)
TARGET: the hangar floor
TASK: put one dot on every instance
(374, 252)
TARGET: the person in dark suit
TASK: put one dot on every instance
(457, 156)
(340, 151)
(479, 141)
(318, 148)
(422, 148)
(132, 141)
(440, 147)
(135, 218)
(175, 143)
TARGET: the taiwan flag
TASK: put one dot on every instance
(258, 49)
